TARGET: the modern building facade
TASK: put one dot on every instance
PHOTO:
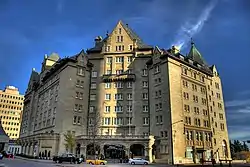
(107, 98)
(11, 109)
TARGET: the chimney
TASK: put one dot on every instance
(175, 50)
(98, 39)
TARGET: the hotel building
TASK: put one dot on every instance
(129, 97)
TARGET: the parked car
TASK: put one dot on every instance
(7, 154)
(1, 156)
(96, 162)
(138, 161)
(67, 158)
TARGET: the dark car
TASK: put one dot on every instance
(7, 154)
(67, 158)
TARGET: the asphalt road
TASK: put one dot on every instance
(30, 163)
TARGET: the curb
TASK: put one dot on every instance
(34, 160)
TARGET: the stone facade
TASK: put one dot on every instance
(126, 96)
(187, 108)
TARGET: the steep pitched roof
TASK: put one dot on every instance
(195, 55)
(132, 35)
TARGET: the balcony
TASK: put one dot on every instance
(120, 77)
(189, 142)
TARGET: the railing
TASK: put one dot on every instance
(120, 77)
(114, 137)
(189, 142)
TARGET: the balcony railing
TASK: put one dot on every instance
(120, 77)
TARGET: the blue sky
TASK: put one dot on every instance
(30, 29)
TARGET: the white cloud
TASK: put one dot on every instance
(238, 103)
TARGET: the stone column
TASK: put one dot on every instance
(127, 151)
(83, 151)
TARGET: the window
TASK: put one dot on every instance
(77, 94)
(130, 47)
(80, 95)
(129, 96)
(186, 95)
(119, 96)
(206, 123)
(130, 59)
(107, 96)
(93, 86)
(118, 121)
(129, 120)
(196, 110)
(109, 60)
(106, 121)
(91, 109)
(91, 121)
(76, 107)
(145, 84)
(92, 97)
(145, 96)
(185, 83)
(107, 49)
(156, 69)
(186, 108)
(79, 120)
(107, 85)
(145, 108)
(74, 119)
(107, 109)
(222, 127)
(129, 71)
(144, 72)
(94, 74)
(195, 98)
(80, 71)
(129, 85)
(129, 108)
(119, 59)
(145, 121)
(188, 120)
(118, 85)
(80, 107)
(118, 109)
(118, 72)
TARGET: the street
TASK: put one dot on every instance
(31, 163)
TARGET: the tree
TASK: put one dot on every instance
(70, 141)
(245, 147)
(94, 127)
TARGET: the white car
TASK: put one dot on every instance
(138, 161)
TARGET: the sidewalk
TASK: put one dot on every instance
(35, 160)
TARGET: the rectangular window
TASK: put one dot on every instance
(109, 60)
(118, 72)
(119, 59)
(106, 121)
(107, 109)
(91, 109)
(145, 121)
(93, 86)
(130, 59)
(118, 96)
(118, 121)
(145, 96)
(118, 85)
(107, 85)
(145, 108)
(144, 72)
(129, 120)
(74, 119)
(156, 69)
(129, 96)
(107, 96)
(129, 108)
(92, 97)
(130, 47)
(129, 84)
(118, 109)
(80, 71)
(145, 84)
(94, 74)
